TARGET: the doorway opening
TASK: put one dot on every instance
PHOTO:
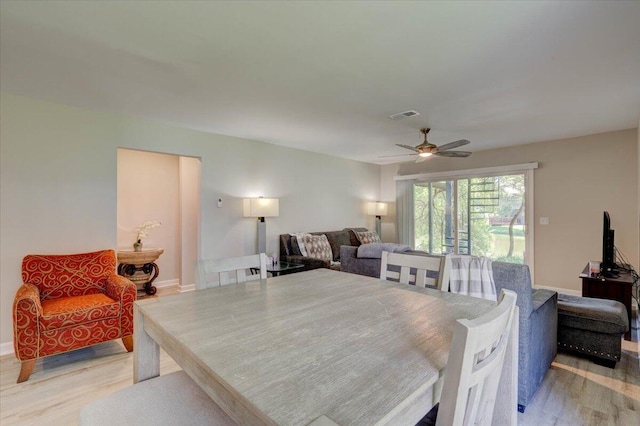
(164, 188)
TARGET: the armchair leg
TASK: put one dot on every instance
(127, 341)
(25, 370)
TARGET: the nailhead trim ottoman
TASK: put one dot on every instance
(593, 327)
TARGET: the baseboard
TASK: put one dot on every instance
(6, 348)
(186, 288)
(566, 291)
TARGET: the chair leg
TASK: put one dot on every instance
(25, 370)
(127, 341)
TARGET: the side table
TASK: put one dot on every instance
(281, 268)
(140, 267)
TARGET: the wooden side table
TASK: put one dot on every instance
(140, 267)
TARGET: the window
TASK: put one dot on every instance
(482, 212)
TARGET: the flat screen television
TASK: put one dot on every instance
(608, 265)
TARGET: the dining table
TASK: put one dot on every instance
(319, 347)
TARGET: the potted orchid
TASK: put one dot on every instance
(142, 231)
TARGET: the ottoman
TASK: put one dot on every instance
(592, 327)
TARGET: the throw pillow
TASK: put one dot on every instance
(298, 239)
(368, 237)
(318, 247)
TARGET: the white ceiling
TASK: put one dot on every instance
(325, 76)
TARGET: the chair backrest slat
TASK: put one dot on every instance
(415, 269)
(218, 272)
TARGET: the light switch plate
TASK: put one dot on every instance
(544, 220)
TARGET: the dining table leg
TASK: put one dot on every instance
(146, 351)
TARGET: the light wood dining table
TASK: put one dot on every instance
(318, 347)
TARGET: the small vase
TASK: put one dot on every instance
(137, 246)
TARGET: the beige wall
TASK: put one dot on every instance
(58, 186)
(576, 181)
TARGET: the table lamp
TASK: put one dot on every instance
(377, 209)
(261, 208)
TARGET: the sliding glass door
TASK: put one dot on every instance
(481, 216)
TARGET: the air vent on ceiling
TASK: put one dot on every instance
(405, 114)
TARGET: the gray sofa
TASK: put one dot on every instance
(346, 237)
(538, 317)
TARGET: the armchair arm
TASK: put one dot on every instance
(26, 310)
(123, 290)
(308, 262)
(119, 287)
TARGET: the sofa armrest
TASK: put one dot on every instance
(349, 262)
(308, 262)
(125, 291)
(538, 343)
(26, 310)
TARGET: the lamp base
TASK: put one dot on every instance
(262, 236)
(379, 226)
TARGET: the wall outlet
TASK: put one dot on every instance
(219, 202)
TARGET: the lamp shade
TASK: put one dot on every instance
(260, 207)
(377, 209)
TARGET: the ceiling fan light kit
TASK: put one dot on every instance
(427, 149)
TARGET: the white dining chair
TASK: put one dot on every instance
(219, 272)
(415, 269)
(167, 400)
(474, 368)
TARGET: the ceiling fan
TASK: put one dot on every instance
(427, 149)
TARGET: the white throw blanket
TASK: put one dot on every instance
(472, 276)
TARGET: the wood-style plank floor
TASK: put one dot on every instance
(574, 392)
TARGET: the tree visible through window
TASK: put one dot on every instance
(482, 216)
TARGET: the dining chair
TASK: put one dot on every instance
(418, 269)
(167, 400)
(219, 272)
(474, 368)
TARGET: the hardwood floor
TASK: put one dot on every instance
(574, 392)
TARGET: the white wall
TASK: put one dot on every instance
(58, 182)
(576, 181)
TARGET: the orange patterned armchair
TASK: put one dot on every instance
(67, 302)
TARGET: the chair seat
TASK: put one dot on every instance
(75, 310)
(171, 399)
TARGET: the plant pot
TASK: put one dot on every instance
(137, 246)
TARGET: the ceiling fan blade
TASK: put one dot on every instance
(452, 145)
(397, 155)
(458, 154)
(406, 146)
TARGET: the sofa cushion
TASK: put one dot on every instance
(318, 247)
(69, 311)
(337, 239)
(353, 239)
(297, 244)
(368, 237)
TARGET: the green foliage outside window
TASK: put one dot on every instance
(496, 231)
